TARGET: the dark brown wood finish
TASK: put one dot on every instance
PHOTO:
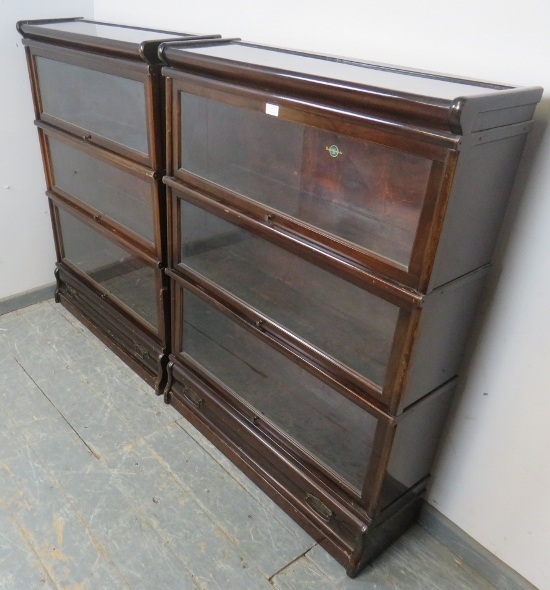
(288, 472)
(445, 149)
(327, 367)
(397, 294)
(124, 172)
(452, 157)
(400, 135)
(76, 37)
(312, 315)
(382, 450)
(458, 115)
(438, 147)
(287, 488)
(292, 347)
(426, 344)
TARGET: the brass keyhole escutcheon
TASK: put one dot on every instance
(333, 151)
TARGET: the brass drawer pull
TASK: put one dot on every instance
(141, 351)
(319, 507)
(192, 397)
(70, 290)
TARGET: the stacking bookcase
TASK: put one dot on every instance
(98, 97)
(331, 223)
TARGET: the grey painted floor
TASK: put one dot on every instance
(103, 486)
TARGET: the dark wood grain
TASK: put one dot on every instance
(349, 270)
(363, 203)
(301, 281)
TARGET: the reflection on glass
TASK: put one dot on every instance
(121, 273)
(332, 428)
(361, 192)
(117, 194)
(345, 321)
(103, 104)
(105, 31)
(357, 72)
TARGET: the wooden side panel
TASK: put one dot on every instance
(482, 184)
(444, 325)
(415, 443)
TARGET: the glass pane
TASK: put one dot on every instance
(106, 105)
(121, 273)
(345, 321)
(441, 86)
(332, 428)
(106, 31)
(117, 194)
(364, 193)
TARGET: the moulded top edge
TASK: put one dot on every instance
(127, 41)
(422, 90)
(100, 30)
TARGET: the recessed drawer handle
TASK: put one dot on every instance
(141, 351)
(318, 507)
(70, 290)
(192, 397)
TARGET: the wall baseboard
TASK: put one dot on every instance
(474, 555)
(21, 300)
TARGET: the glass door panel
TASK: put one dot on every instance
(342, 320)
(327, 425)
(128, 278)
(121, 196)
(363, 193)
(110, 106)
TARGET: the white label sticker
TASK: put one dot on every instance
(272, 109)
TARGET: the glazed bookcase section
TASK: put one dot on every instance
(332, 314)
(106, 101)
(121, 195)
(353, 192)
(333, 434)
(316, 418)
(98, 97)
(100, 81)
(343, 468)
(130, 281)
(387, 176)
(372, 342)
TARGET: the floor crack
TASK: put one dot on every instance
(69, 424)
(270, 579)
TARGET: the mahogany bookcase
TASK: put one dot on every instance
(331, 223)
(289, 246)
(98, 98)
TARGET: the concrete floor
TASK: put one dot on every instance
(103, 486)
